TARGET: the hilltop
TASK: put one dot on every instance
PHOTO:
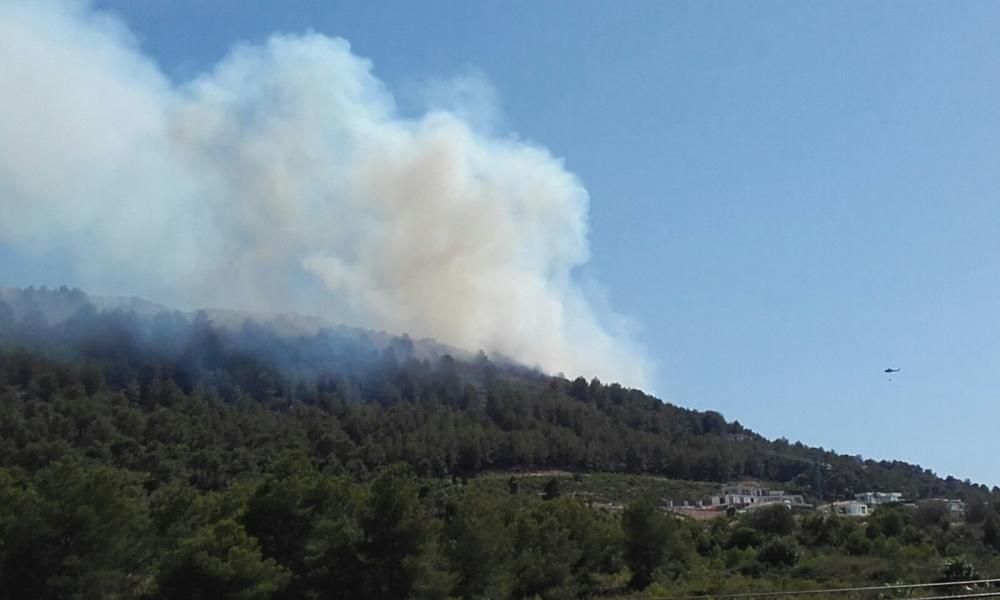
(506, 415)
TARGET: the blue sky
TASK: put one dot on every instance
(788, 197)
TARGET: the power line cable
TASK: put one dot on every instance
(843, 590)
(952, 596)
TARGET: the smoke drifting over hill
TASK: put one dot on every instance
(285, 178)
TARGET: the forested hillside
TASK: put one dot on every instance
(354, 403)
(158, 454)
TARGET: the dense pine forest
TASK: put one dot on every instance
(149, 453)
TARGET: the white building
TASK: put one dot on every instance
(745, 495)
(848, 508)
(956, 508)
(876, 498)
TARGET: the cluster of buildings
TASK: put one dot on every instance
(749, 495)
(743, 496)
(863, 504)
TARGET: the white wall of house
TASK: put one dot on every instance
(749, 495)
(876, 498)
(850, 508)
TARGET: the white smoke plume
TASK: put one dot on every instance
(285, 178)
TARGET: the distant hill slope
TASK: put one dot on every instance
(218, 392)
(57, 306)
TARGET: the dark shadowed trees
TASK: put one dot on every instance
(649, 535)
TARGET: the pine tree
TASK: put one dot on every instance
(648, 536)
(991, 531)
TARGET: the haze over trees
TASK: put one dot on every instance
(155, 454)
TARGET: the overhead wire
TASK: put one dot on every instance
(901, 586)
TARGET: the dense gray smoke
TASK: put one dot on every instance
(285, 179)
